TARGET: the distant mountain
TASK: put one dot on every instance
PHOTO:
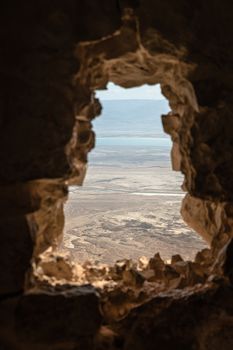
(131, 118)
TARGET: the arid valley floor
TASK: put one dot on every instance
(113, 224)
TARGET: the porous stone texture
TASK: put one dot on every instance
(211, 219)
(54, 55)
(167, 322)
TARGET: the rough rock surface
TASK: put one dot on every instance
(167, 322)
(53, 57)
(53, 317)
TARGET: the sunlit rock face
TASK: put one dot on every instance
(54, 55)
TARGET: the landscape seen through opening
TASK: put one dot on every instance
(129, 205)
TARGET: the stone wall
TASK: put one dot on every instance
(54, 56)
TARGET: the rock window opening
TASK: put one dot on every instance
(129, 205)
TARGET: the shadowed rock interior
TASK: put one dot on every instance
(54, 56)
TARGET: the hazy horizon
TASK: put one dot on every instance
(131, 118)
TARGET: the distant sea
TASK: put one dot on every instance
(134, 141)
(130, 133)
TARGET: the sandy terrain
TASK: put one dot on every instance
(128, 212)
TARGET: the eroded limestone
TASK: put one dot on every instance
(53, 58)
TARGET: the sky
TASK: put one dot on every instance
(144, 92)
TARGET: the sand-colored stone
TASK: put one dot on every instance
(54, 56)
